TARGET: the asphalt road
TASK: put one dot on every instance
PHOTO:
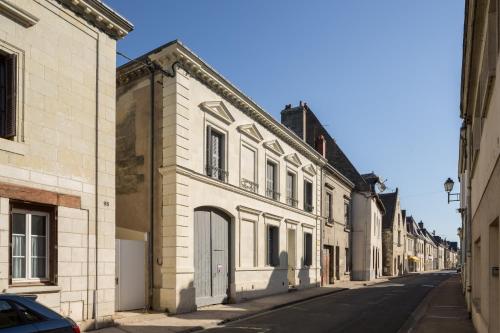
(380, 308)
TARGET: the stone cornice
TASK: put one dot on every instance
(100, 15)
(199, 69)
(17, 14)
(208, 180)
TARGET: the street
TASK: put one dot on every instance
(379, 308)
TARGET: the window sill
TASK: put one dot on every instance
(13, 146)
(34, 289)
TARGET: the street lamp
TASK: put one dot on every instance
(448, 187)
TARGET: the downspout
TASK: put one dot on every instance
(95, 309)
(151, 185)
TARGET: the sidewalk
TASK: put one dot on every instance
(211, 316)
(443, 310)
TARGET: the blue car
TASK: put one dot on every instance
(23, 314)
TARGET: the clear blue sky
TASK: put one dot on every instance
(384, 76)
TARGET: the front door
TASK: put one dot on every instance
(211, 256)
(130, 261)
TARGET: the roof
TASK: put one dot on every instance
(334, 154)
(389, 200)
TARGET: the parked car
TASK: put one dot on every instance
(459, 268)
(23, 314)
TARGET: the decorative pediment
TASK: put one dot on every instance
(251, 131)
(274, 146)
(309, 169)
(218, 110)
(293, 159)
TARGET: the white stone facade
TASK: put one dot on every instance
(197, 100)
(62, 157)
(367, 236)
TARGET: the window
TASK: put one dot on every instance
(399, 238)
(347, 213)
(308, 196)
(272, 180)
(347, 260)
(247, 165)
(291, 191)
(307, 249)
(216, 155)
(273, 247)
(30, 245)
(7, 95)
(329, 206)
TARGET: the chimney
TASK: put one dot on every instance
(300, 103)
(433, 232)
(321, 145)
(421, 224)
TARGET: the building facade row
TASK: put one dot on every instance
(162, 185)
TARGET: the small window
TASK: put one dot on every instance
(273, 246)
(33, 244)
(291, 191)
(347, 213)
(329, 207)
(308, 249)
(272, 180)
(8, 316)
(308, 196)
(216, 154)
(8, 91)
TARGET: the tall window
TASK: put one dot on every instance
(291, 191)
(215, 154)
(30, 245)
(247, 165)
(272, 180)
(347, 260)
(308, 196)
(308, 249)
(399, 238)
(7, 95)
(347, 213)
(273, 247)
(329, 206)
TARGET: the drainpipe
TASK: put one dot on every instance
(151, 184)
(95, 314)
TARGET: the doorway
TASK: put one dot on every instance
(211, 256)
(494, 321)
(130, 256)
(292, 258)
(328, 265)
(337, 263)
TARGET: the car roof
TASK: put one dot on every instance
(31, 304)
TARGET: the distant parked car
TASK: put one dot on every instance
(23, 314)
(459, 268)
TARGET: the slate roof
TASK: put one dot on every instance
(389, 200)
(334, 153)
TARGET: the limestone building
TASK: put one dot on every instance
(227, 197)
(479, 167)
(415, 246)
(57, 153)
(338, 185)
(368, 211)
(393, 235)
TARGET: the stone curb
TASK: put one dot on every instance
(278, 306)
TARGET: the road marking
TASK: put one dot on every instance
(428, 285)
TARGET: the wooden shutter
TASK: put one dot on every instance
(10, 105)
